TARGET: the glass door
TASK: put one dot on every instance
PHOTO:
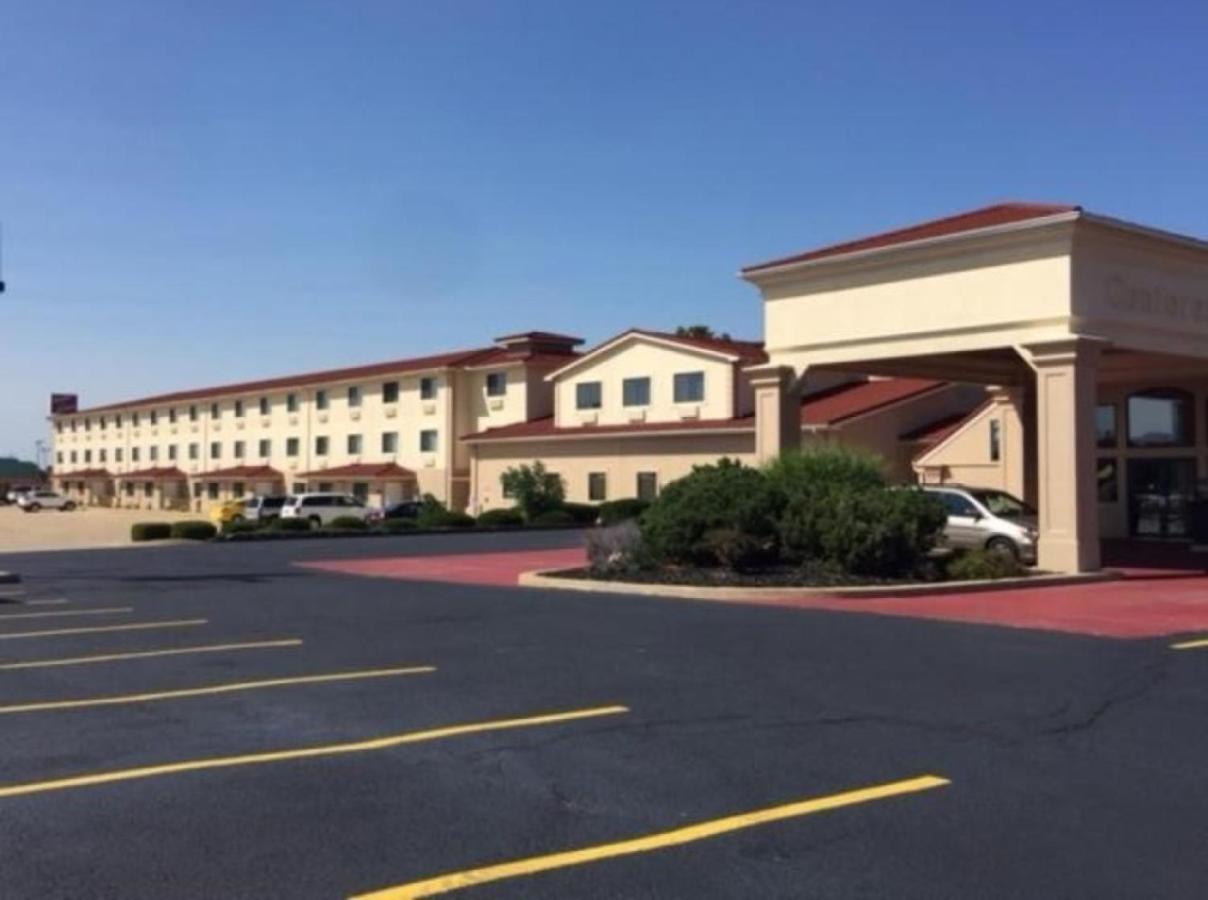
(1160, 492)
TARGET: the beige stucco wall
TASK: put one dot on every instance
(964, 457)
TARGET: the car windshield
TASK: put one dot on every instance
(1002, 504)
(273, 502)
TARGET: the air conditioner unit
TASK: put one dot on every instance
(690, 412)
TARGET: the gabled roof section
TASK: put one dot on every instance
(972, 220)
(847, 401)
(941, 434)
(736, 351)
(369, 471)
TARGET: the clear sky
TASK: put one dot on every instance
(198, 192)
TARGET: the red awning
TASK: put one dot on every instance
(364, 471)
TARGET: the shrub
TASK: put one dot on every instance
(150, 531)
(194, 530)
(348, 523)
(494, 518)
(731, 548)
(825, 465)
(725, 495)
(885, 532)
(613, 512)
(582, 513)
(444, 518)
(535, 489)
(397, 526)
(616, 549)
(976, 565)
(290, 525)
(552, 518)
(241, 526)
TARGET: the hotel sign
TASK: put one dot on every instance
(1126, 295)
(62, 404)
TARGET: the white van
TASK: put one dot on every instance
(322, 509)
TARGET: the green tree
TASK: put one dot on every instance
(534, 489)
(701, 331)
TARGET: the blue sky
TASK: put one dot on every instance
(194, 193)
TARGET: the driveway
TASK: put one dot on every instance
(216, 721)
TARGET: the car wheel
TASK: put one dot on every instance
(33, 507)
(68, 506)
(315, 522)
(1003, 546)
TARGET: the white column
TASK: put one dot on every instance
(777, 410)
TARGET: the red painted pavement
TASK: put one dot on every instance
(1168, 597)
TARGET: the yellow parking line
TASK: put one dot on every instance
(215, 689)
(104, 611)
(1199, 644)
(148, 654)
(251, 759)
(137, 626)
(686, 835)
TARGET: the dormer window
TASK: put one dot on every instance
(689, 387)
(497, 384)
(635, 392)
(588, 395)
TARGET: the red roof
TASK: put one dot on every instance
(837, 404)
(934, 432)
(545, 428)
(747, 351)
(166, 473)
(387, 471)
(551, 337)
(84, 474)
(241, 472)
(972, 220)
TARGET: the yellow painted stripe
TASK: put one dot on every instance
(252, 759)
(137, 626)
(148, 654)
(454, 881)
(214, 689)
(1198, 644)
(104, 611)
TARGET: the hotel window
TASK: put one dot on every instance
(1105, 425)
(198, 488)
(427, 388)
(354, 396)
(87, 424)
(129, 488)
(193, 413)
(320, 399)
(291, 446)
(148, 489)
(390, 442)
(194, 449)
(153, 453)
(354, 445)
(172, 452)
(214, 411)
(298, 487)
(1109, 490)
(320, 446)
(635, 392)
(73, 457)
(73, 424)
(102, 423)
(237, 489)
(588, 395)
(995, 440)
(238, 409)
(87, 456)
(1161, 417)
(689, 387)
(212, 490)
(597, 487)
(390, 392)
(153, 416)
(117, 420)
(215, 450)
(360, 490)
(497, 384)
(101, 454)
(239, 448)
(648, 485)
(58, 426)
(264, 406)
(265, 449)
(172, 416)
(133, 419)
(291, 403)
(117, 454)
(59, 457)
(427, 440)
(133, 454)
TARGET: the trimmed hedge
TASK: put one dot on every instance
(553, 518)
(444, 518)
(150, 531)
(582, 513)
(494, 518)
(614, 512)
(290, 525)
(194, 530)
(348, 523)
(397, 526)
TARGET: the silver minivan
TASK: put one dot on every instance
(987, 518)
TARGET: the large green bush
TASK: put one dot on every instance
(290, 525)
(553, 518)
(397, 526)
(194, 530)
(241, 526)
(534, 489)
(498, 518)
(978, 565)
(150, 531)
(444, 518)
(582, 513)
(348, 523)
(614, 512)
(882, 532)
(724, 496)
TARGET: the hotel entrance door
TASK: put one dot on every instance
(1160, 492)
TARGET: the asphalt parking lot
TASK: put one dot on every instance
(215, 721)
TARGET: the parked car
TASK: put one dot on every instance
(227, 511)
(35, 500)
(249, 509)
(407, 509)
(17, 493)
(322, 509)
(989, 519)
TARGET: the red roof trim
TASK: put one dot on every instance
(847, 401)
(241, 472)
(167, 473)
(83, 474)
(545, 428)
(746, 351)
(971, 220)
(363, 470)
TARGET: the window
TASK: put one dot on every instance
(299, 487)
(689, 387)
(152, 453)
(133, 454)
(73, 424)
(588, 395)
(117, 420)
(237, 489)
(390, 442)
(102, 423)
(635, 392)
(129, 488)
(1105, 425)
(59, 457)
(320, 446)
(1109, 491)
(291, 446)
(153, 415)
(264, 406)
(360, 490)
(193, 412)
(133, 420)
(87, 456)
(597, 487)
(172, 416)
(265, 449)
(497, 384)
(198, 487)
(648, 485)
(194, 449)
(427, 388)
(215, 449)
(212, 490)
(427, 440)
(957, 505)
(354, 396)
(238, 409)
(320, 399)
(148, 489)
(214, 411)
(1160, 418)
(101, 454)
(354, 445)
(390, 392)
(291, 403)
(172, 452)
(239, 448)
(995, 440)
(117, 454)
